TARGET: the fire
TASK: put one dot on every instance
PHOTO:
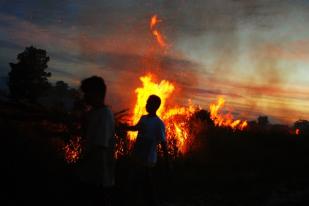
(175, 119)
(155, 32)
(225, 120)
(177, 124)
(164, 89)
(72, 150)
(153, 21)
(297, 131)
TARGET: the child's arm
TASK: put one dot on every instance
(133, 127)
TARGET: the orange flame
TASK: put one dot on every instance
(72, 150)
(225, 120)
(177, 125)
(153, 21)
(175, 119)
(155, 32)
(164, 89)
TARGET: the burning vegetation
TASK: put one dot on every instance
(73, 150)
(176, 118)
(233, 147)
(225, 120)
(180, 130)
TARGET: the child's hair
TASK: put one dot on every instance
(94, 84)
(154, 102)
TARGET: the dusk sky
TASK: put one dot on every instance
(255, 53)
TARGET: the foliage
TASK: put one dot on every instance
(28, 78)
(60, 97)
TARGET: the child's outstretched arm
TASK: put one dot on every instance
(131, 128)
(127, 127)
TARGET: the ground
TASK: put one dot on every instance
(226, 169)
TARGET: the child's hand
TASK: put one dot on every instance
(123, 126)
(126, 127)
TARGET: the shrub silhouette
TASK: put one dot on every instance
(28, 78)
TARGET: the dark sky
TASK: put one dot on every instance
(255, 53)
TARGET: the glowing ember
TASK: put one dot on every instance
(73, 150)
(297, 131)
(176, 119)
(177, 125)
(225, 120)
(155, 32)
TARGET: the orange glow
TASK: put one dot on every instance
(297, 131)
(155, 32)
(164, 89)
(176, 119)
(72, 150)
(153, 21)
(225, 120)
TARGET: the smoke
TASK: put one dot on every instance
(238, 48)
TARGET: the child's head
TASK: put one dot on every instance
(153, 104)
(94, 90)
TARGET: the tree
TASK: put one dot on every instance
(28, 78)
(61, 88)
(60, 97)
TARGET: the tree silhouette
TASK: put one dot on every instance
(61, 88)
(28, 78)
(60, 97)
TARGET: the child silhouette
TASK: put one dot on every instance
(151, 132)
(96, 170)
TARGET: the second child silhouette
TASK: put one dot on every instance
(151, 132)
(96, 170)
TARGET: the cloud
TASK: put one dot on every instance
(297, 50)
(207, 41)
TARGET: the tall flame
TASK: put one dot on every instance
(177, 121)
(153, 21)
(155, 32)
(175, 118)
(164, 89)
(225, 120)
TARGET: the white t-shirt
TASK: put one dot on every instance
(100, 127)
(151, 132)
(98, 165)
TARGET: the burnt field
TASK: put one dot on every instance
(226, 167)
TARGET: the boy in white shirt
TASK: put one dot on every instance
(151, 132)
